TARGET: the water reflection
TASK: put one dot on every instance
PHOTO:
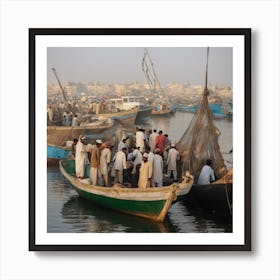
(87, 217)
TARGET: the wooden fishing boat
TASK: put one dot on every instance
(58, 135)
(129, 102)
(143, 114)
(125, 117)
(214, 196)
(151, 203)
(218, 109)
(56, 153)
(161, 112)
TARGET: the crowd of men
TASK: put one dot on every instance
(141, 163)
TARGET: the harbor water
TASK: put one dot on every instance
(67, 212)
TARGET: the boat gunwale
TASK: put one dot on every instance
(120, 113)
(57, 127)
(157, 193)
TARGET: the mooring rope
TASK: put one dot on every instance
(228, 202)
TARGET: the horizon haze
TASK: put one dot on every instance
(124, 64)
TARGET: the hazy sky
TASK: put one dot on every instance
(123, 65)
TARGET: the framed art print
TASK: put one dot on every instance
(140, 139)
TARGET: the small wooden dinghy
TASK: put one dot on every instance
(56, 153)
(151, 203)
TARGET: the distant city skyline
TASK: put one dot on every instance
(124, 65)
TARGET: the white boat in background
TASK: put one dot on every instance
(126, 103)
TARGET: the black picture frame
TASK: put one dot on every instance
(33, 164)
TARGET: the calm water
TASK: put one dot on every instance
(67, 212)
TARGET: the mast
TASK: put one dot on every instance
(65, 96)
(206, 92)
(200, 140)
(150, 73)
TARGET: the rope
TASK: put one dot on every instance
(228, 203)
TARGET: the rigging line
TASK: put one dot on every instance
(155, 77)
(228, 203)
(206, 74)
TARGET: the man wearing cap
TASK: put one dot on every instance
(157, 169)
(173, 156)
(145, 173)
(95, 163)
(81, 157)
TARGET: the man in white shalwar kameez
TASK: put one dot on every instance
(81, 157)
(119, 165)
(152, 140)
(150, 155)
(173, 156)
(157, 169)
(50, 113)
(140, 140)
(122, 144)
(137, 158)
(145, 173)
(105, 159)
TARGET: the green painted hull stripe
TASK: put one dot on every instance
(130, 206)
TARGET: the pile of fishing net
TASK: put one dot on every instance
(200, 142)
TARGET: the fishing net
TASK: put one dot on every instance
(200, 142)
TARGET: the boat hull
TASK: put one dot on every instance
(56, 153)
(124, 117)
(216, 109)
(161, 112)
(213, 196)
(58, 135)
(151, 203)
(143, 115)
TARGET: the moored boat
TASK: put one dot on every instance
(161, 109)
(161, 112)
(151, 203)
(214, 196)
(200, 143)
(218, 109)
(56, 153)
(143, 114)
(125, 117)
(58, 135)
(129, 102)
